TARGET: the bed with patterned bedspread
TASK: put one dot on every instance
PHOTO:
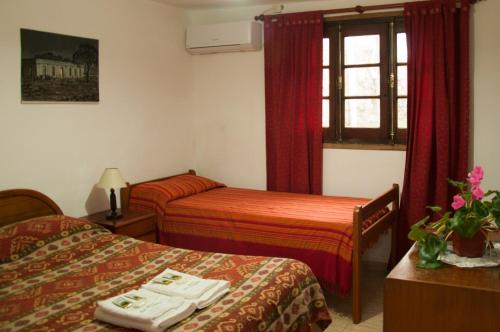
(54, 268)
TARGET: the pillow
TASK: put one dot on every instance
(153, 196)
(23, 238)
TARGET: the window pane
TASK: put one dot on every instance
(402, 80)
(326, 113)
(362, 113)
(361, 50)
(401, 48)
(402, 113)
(362, 81)
(326, 82)
(326, 51)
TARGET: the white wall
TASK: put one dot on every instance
(230, 118)
(163, 111)
(485, 91)
(229, 109)
(230, 122)
(142, 124)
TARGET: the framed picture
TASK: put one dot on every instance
(58, 68)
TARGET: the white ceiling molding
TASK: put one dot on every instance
(205, 4)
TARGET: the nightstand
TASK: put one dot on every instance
(139, 225)
(446, 299)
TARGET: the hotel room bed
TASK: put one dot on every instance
(327, 233)
(53, 269)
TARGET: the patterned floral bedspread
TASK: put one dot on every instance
(54, 269)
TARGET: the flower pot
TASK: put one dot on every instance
(469, 247)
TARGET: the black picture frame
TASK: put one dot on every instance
(58, 68)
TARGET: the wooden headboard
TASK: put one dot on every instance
(21, 204)
(125, 192)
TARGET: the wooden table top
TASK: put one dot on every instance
(485, 278)
(129, 217)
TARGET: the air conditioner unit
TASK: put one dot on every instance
(224, 37)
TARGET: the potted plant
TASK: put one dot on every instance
(474, 214)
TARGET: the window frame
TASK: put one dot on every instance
(388, 133)
(400, 134)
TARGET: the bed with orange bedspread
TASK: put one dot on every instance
(198, 213)
(54, 268)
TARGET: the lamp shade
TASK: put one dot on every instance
(111, 178)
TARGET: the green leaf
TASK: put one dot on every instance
(429, 265)
(480, 209)
(491, 192)
(467, 196)
(416, 232)
(458, 184)
(495, 202)
(496, 215)
(429, 251)
(466, 224)
(434, 209)
(495, 207)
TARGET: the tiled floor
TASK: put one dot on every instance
(373, 289)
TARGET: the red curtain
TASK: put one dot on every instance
(293, 73)
(438, 107)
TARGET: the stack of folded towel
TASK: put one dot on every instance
(165, 300)
(202, 292)
(144, 310)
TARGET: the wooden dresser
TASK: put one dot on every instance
(447, 299)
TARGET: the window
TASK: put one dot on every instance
(365, 82)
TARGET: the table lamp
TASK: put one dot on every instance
(112, 179)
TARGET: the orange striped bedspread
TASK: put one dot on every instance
(314, 229)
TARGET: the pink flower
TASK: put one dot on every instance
(478, 172)
(475, 182)
(475, 176)
(477, 193)
(458, 202)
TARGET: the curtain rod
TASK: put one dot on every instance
(361, 9)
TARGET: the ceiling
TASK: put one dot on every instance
(204, 4)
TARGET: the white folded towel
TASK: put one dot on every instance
(202, 292)
(144, 310)
(213, 294)
(174, 283)
(141, 305)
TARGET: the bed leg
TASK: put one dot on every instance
(394, 229)
(356, 267)
(392, 258)
(356, 291)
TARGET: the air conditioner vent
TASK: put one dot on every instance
(224, 37)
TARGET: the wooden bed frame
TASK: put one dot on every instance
(22, 204)
(362, 239)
